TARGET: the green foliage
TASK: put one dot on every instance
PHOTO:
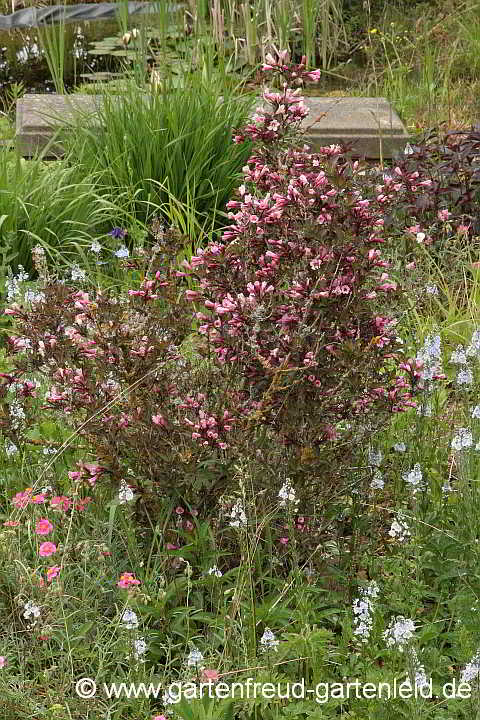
(151, 146)
(205, 709)
(47, 204)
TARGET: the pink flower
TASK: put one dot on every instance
(387, 286)
(81, 299)
(22, 499)
(283, 541)
(159, 420)
(208, 674)
(179, 510)
(127, 579)
(60, 502)
(171, 546)
(53, 572)
(43, 526)
(80, 505)
(93, 469)
(38, 499)
(11, 523)
(443, 214)
(159, 717)
(46, 549)
(3, 661)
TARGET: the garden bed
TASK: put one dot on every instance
(239, 419)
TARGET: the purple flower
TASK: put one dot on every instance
(117, 232)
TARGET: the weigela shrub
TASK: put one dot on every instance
(110, 368)
(295, 296)
(436, 185)
(292, 316)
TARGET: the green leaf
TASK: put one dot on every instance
(184, 709)
(111, 520)
(227, 712)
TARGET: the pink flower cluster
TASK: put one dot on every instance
(43, 526)
(88, 472)
(287, 107)
(208, 429)
(295, 285)
(63, 503)
(127, 579)
(292, 73)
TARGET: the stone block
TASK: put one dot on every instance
(370, 124)
(37, 115)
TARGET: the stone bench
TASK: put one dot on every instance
(370, 124)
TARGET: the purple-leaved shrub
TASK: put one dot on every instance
(116, 376)
(296, 295)
(296, 359)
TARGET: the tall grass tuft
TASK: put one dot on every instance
(169, 142)
(46, 204)
(52, 39)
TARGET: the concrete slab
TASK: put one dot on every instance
(37, 115)
(370, 124)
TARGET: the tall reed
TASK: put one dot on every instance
(52, 39)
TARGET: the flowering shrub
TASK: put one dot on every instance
(292, 305)
(116, 376)
(294, 298)
(436, 186)
(448, 176)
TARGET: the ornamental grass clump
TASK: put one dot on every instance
(46, 203)
(150, 147)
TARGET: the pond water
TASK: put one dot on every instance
(22, 59)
